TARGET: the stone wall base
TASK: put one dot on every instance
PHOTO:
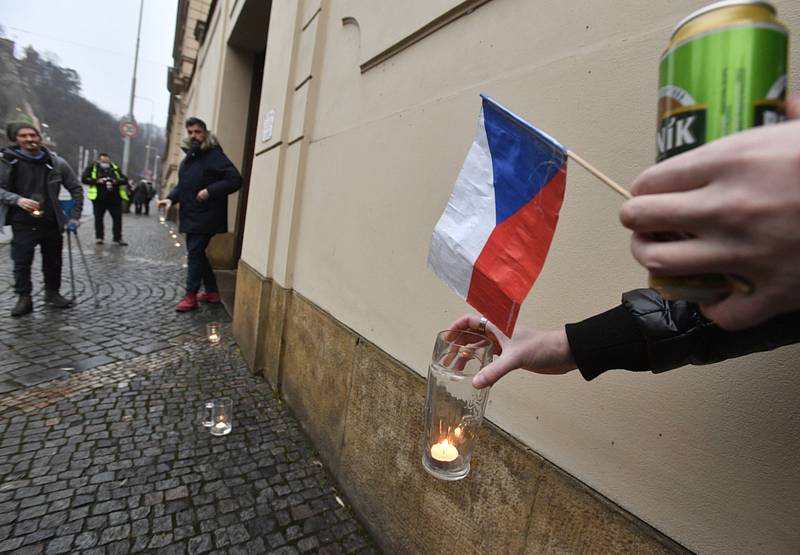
(363, 410)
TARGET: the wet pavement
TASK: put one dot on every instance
(101, 444)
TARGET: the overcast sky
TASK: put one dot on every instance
(97, 38)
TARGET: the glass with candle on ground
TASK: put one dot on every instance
(221, 411)
(453, 408)
(213, 333)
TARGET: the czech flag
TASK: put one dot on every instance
(490, 244)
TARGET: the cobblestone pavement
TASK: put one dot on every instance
(138, 287)
(109, 456)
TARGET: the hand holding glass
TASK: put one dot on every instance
(453, 407)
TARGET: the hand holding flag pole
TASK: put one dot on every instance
(490, 244)
(740, 285)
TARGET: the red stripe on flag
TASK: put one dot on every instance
(513, 257)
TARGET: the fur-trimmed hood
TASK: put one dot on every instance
(205, 167)
(210, 142)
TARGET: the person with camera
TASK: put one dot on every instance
(107, 191)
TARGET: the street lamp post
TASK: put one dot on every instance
(149, 135)
(147, 161)
(126, 151)
(155, 171)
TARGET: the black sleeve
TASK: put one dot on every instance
(647, 332)
(175, 194)
(605, 341)
(229, 181)
(86, 177)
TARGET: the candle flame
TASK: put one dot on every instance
(444, 451)
(457, 431)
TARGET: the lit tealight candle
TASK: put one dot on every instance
(220, 426)
(444, 451)
(36, 213)
(177, 244)
(214, 338)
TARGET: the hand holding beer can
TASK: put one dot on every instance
(723, 71)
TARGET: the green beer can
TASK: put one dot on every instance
(723, 71)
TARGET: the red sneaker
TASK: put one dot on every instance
(209, 297)
(189, 302)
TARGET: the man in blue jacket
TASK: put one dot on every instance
(205, 179)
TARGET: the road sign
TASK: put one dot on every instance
(128, 128)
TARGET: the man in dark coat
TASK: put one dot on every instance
(205, 179)
(30, 179)
(107, 191)
(141, 197)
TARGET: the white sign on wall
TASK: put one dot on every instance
(269, 122)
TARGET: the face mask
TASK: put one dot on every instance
(105, 165)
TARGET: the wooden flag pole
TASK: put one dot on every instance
(600, 175)
(740, 285)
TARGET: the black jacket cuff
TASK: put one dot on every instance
(606, 341)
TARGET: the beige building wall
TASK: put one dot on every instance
(190, 14)
(202, 99)
(360, 165)
(280, 80)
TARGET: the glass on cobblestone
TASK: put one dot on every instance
(453, 408)
(221, 416)
(213, 333)
(208, 414)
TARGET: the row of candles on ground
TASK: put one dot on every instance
(453, 408)
(218, 413)
(162, 219)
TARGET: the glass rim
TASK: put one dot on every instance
(482, 336)
(479, 345)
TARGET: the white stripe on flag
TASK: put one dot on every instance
(468, 219)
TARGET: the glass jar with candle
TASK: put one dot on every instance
(213, 333)
(453, 408)
(221, 416)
